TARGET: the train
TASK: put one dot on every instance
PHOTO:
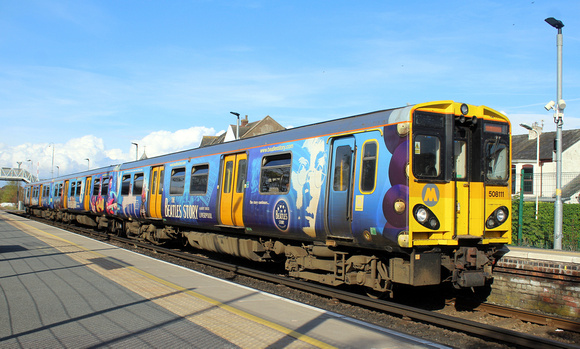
(417, 195)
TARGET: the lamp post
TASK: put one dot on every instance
(538, 130)
(88, 164)
(237, 124)
(31, 166)
(52, 166)
(18, 187)
(558, 119)
(136, 150)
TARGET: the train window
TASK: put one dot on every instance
(426, 156)
(79, 188)
(198, 183)
(460, 159)
(275, 175)
(73, 188)
(369, 167)
(55, 190)
(228, 176)
(161, 173)
(497, 158)
(342, 168)
(105, 188)
(138, 183)
(177, 181)
(242, 171)
(60, 190)
(96, 186)
(126, 185)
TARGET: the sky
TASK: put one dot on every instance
(85, 79)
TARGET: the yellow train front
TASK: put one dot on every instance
(459, 194)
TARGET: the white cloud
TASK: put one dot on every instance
(163, 142)
(71, 156)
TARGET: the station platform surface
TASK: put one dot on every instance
(59, 289)
(543, 254)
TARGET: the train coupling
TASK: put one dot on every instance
(473, 268)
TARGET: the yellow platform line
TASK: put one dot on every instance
(157, 296)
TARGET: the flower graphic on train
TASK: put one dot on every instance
(308, 183)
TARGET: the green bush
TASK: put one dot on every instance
(540, 232)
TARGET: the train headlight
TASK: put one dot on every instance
(500, 215)
(497, 218)
(464, 109)
(421, 215)
(426, 217)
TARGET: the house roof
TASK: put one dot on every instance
(525, 149)
(571, 188)
(251, 129)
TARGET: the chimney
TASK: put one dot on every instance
(244, 121)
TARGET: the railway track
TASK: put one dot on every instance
(469, 327)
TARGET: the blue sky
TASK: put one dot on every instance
(91, 77)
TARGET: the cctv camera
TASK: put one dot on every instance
(561, 104)
(550, 105)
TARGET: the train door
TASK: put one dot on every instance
(339, 206)
(87, 196)
(156, 193)
(40, 188)
(234, 172)
(65, 195)
(463, 185)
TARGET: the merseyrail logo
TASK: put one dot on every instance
(430, 195)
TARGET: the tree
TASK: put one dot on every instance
(8, 193)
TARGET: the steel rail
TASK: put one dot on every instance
(541, 319)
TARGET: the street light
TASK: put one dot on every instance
(31, 166)
(88, 164)
(57, 171)
(136, 150)
(558, 107)
(538, 131)
(52, 167)
(18, 187)
(237, 124)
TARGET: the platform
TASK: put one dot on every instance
(59, 289)
(543, 254)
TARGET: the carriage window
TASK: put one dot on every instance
(105, 188)
(460, 159)
(369, 167)
(228, 176)
(161, 178)
(60, 190)
(138, 184)
(126, 185)
(275, 175)
(497, 159)
(96, 186)
(55, 190)
(242, 166)
(79, 187)
(73, 188)
(198, 183)
(177, 181)
(426, 156)
(342, 168)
